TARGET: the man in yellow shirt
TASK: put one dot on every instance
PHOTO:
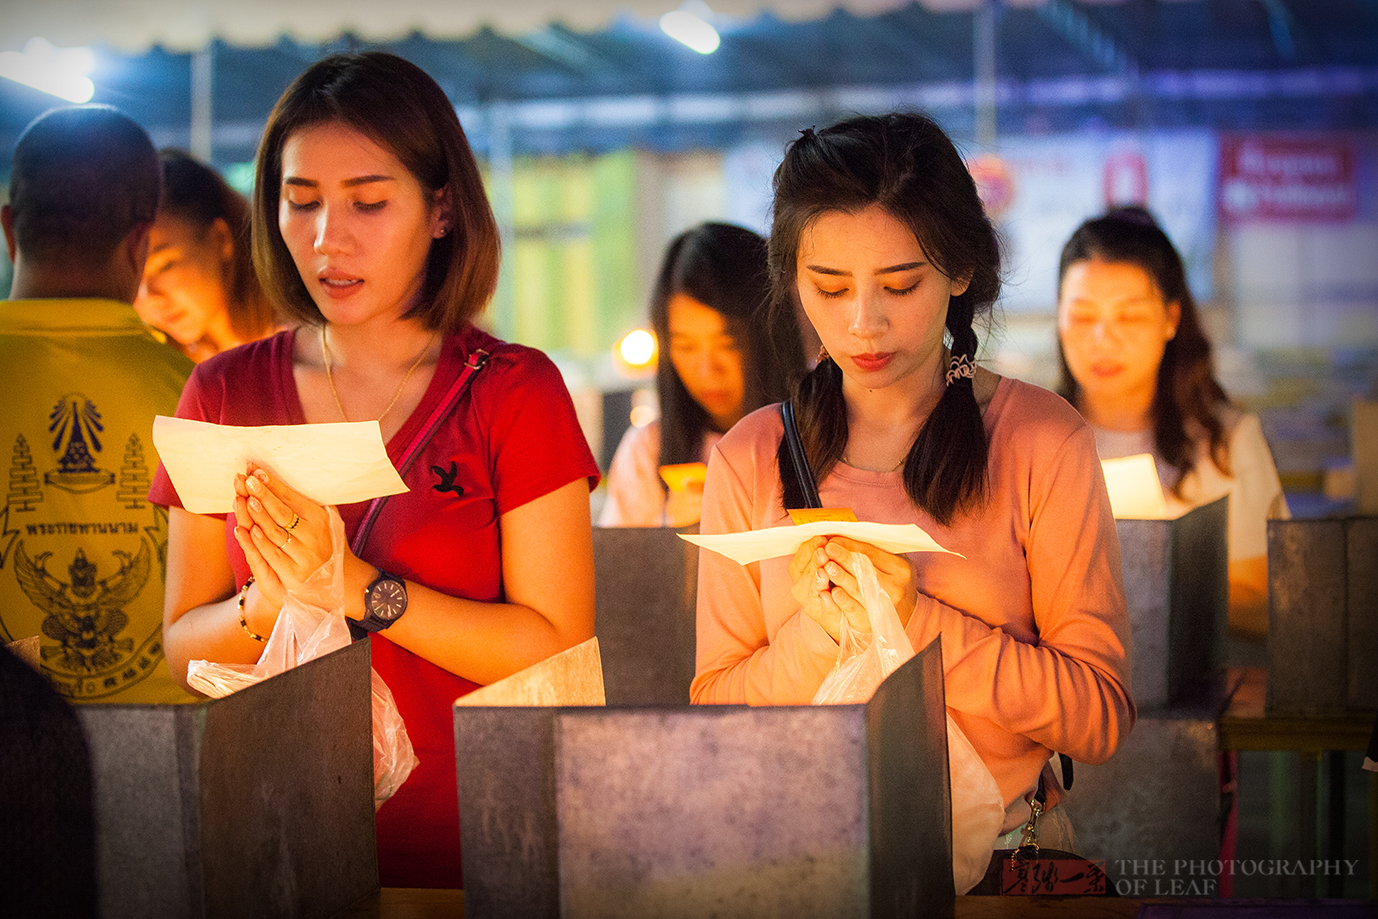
(82, 551)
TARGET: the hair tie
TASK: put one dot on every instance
(962, 366)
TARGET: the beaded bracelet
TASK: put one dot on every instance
(244, 623)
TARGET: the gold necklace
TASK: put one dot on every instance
(903, 457)
(892, 468)
(325, 353)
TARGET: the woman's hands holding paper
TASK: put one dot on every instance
(285, 537)
(825, 586)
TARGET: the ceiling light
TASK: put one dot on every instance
(688, 25)
(58, 71)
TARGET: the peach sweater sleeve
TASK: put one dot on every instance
(1068, 690)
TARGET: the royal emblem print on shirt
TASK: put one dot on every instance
(78, 546)
(76, 427)
(85, 614)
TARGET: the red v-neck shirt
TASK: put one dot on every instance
(512, 438)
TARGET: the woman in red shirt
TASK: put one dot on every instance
(372, 230)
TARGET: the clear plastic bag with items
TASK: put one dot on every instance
(312, 623)
(864, 660)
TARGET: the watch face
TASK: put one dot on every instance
(387, 600)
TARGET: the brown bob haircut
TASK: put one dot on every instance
(399, 107)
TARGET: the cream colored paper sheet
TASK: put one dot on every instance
(572, 677)
(1135, 492)
(328, 463)
(773, 542)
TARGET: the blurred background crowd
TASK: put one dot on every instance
(1249, 127)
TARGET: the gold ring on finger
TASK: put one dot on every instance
(284, 546)
(296, 519)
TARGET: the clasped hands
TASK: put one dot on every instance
(824, 583)
(285, 536)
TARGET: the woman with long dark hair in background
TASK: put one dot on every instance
(719, 359)
(1136, 363)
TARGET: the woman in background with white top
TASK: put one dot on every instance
(1137, 365)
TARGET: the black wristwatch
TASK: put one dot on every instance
(385, 600)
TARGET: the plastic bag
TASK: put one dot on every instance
(312, 623)
(863, 661)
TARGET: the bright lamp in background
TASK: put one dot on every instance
(58, 71)
(689, 25)
(637, 349)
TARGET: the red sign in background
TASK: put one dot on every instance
(994, 183)
(1286, 178)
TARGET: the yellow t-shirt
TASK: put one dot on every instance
(82, 550)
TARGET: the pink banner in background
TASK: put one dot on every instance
(1286, 178)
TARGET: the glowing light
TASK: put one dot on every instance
(59, 72)
(689, 29)
(638, 348)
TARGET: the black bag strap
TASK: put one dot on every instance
(1065, 761)
(477, 358)
(798, 459)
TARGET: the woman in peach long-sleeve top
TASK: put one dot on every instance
(879, 233)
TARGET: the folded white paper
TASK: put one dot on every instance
(1135, 492)
(328, 463)
(773, 542)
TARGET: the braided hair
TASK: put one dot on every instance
(904, 163)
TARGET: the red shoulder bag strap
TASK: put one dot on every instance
(477, 358)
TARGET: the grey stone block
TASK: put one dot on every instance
(507, 823)
(1361, 609)
(257, 804)
(1176, 581)
(1323, 615)
(1158, 797)
(796, 811)
(647, 586)
(1307, 632)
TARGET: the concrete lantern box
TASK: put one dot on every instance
(1158, 797)
(669, 811)
(1323, 615)
(257, 804)
(647, 586)
(1176, 582)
